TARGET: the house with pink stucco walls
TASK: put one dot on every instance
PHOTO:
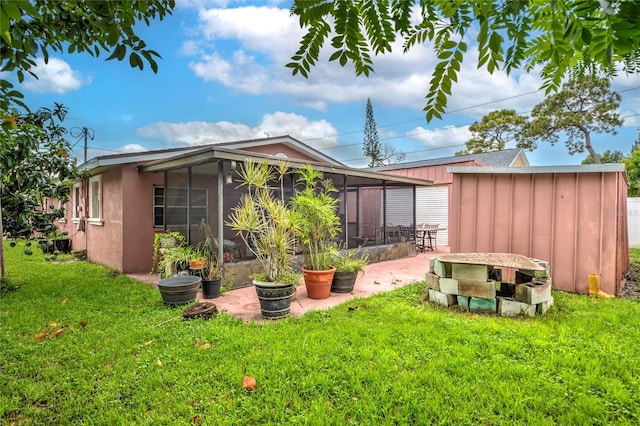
(128, 198)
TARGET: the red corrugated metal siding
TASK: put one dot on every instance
(438, 173)
(577, 221)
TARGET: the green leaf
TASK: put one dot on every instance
(135, 61)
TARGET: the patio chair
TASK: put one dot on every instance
(228, 245)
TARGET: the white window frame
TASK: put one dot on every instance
(76, 195)
(95, 211)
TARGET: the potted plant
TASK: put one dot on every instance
(318, 225)
(211, 273)
(174, 260)
(165, 240)
(347, 263)
(197, 257)
(267, 226)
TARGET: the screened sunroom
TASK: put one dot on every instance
(201, 187)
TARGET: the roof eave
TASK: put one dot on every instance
(212, 154)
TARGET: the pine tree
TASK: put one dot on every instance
(371, 146)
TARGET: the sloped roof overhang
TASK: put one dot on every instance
(209, 155)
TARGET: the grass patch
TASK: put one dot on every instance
(125, 358)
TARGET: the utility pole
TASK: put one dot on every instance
(85, 133)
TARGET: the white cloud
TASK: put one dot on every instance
(133, 147)
(55, 77)
(446, 137)
(276, 124)
(249, 46)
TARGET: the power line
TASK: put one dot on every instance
(82, 133)
(422, 118)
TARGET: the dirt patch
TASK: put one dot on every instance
(632, 286)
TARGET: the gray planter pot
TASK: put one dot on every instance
(179, 290)
(275, 299)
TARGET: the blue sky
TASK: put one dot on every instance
(223, 78)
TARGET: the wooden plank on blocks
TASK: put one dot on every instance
(433, 281)
(510, 260)
(476, 288)
(465, 271)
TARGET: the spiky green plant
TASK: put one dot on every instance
(264, 221)
(318, 223)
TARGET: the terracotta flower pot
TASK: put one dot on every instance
(318, 283)
(197, 263)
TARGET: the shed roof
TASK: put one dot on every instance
(503, 158)
(592, 168)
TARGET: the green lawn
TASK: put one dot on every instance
(125, 358)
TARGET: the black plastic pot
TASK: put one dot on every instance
(179, 290)
(211, 289)
(343, 282)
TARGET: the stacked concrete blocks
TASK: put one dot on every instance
(478, 289)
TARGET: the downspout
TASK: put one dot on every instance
(346, 210)
(384, 211)
(189, 201)
(415, 209)
(220, 211)
(164, 201)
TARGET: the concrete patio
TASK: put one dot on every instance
(377, 277)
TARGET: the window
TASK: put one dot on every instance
(75, 203)
(95, 200)
(177, 206)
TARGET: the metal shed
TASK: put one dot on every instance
(572, 216)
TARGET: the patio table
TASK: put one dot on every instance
(427, 236)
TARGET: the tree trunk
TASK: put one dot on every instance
(587, 144)
(3, 273)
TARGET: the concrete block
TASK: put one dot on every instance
(547, 268)
(511, 308)
(483, 306)
(542, 308)
(464, 271)
(433, 281)
(441, 298)
(442, 269)
(524, 276)
(533, 293)
(475, 288)
(534, 274)
(463, 302)
(432, 264)
(449, 285)
(507, 290)
(494, 274)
